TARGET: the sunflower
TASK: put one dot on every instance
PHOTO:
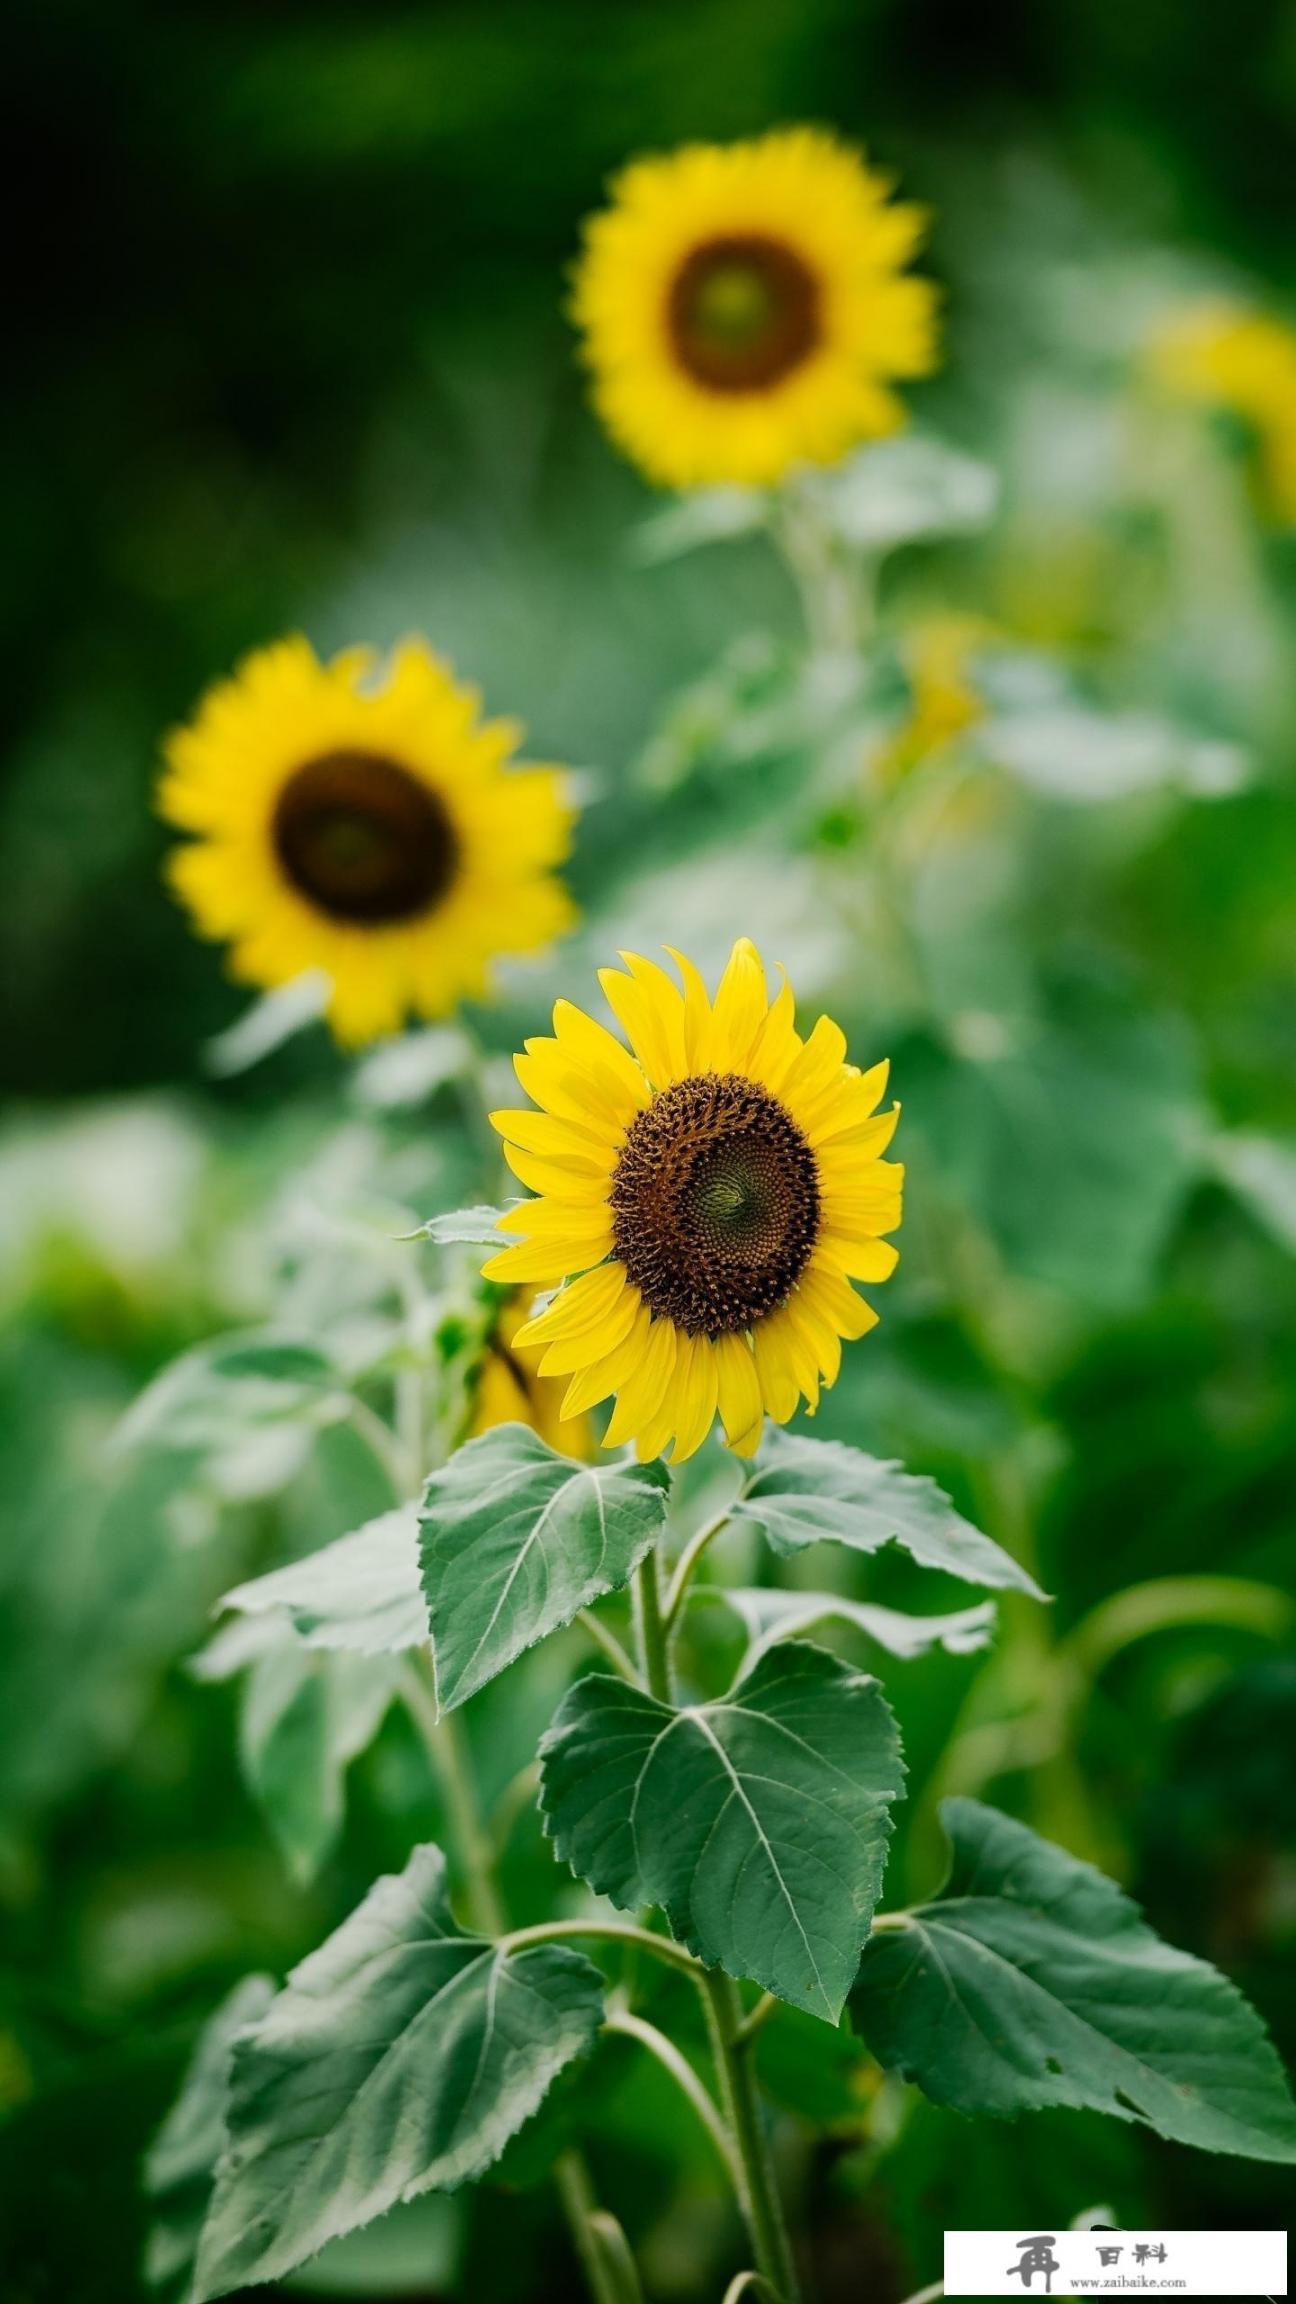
(364, 825)
(744, 308)
(938, 655)
(1242, 362)
(507, 1388)
(706, 1196)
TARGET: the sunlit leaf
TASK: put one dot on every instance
(802, 1492)
(399, 2058)
(772, 1615)
(899, 491)
(516, 1540)
(1031, 1981)
(361, 1592)
(181, 2165)
(464, 1227)
(272, 1020)
(759, 1823)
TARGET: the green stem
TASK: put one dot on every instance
(613, 1932)
(758, 2191)
(686, 2080)
(650, 1631)
(610, 1645)
(688, 1560)
(448, 1753)
(580, 2207)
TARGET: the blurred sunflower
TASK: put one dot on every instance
(508, 1388)
(938, 655)
(367, 827)
(1244, 363)
(744, 308)
(717, 1187)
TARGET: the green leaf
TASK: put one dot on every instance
(517, 1539)
(272, 1020)
(181, 2164)
(463, 1227)
(759, 1823)
(770, 1615)
(361, 1592)
(1033, 1981)
(1261, 1171)
(304, 1718)
(398, 2059)
(703, 516)
(218, 1390)
(898, 491)
(803, 1492)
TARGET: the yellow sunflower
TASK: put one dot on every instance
(744, 308)
(1244, 362)
(367, 825)
(508, 1389)
(706, 1196)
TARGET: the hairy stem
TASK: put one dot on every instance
(758, 2191)
(612, 1932)
(650, 1630)
(688, 1561)
(610, 1645)
(447, 1751)
(580, 2207)
(686, 2080)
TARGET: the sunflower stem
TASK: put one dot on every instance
(688, 1560)
(609, 1643)
(651, 1634)
(758, 2191)
(580, 2207)
(686, 2080)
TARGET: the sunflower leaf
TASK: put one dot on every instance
(772, 1615)
(759, 1823)
(1032, 1981)
(399, 2058)
(801, 1492)
(463, 1228)
(516, 1540)
(180, 2168)
(360, 1592)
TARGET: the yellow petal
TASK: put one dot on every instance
(557, 1179)
(835, 1301)
(696, 1391)
(774, 1348)
(697, 1011)
(541, 1262)
(738, 1012)
(641, 1397)
(592, 1046)
(604, 1375)
(857, 1259)
(570, 1353)
(738, 1394)
(651, 1011)
(579, 1307)
(555, 1139)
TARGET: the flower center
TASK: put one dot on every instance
(743, 312)
(715, 1204)
(363, 839)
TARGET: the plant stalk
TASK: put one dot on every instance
(651, 1635)
(760, 2200)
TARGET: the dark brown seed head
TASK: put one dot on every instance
(743, 312)
(364, 840)
(715, 1204)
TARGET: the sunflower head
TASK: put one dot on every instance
(744, 308)
(1242, 362)
(364, 824)
(508, 1389)
(705, 1198)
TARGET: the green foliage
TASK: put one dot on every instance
(517, 1540)
(803, 1492)
(759, 1822)
(401, 2056)
(770, 1614)
(1032, 1981)
(360, 1592)
(181, 2164)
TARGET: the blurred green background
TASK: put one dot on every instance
(287, 350)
